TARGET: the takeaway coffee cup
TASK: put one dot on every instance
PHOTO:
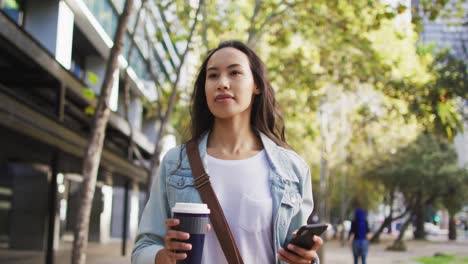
(193, 220)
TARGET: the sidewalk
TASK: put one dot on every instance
(109, 253)
(334, 253)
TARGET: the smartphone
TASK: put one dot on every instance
(305, 234)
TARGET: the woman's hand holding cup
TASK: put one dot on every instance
(185, 234)
(172, 244)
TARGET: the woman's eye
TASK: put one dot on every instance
(235, 73)
(212, 75)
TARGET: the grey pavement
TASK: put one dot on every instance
(337, 254)
(334, 252)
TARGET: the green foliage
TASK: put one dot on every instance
(92, 78)
(90, 110)
(338, 53)
(424, 171)
(10, 4)
(88, 93)
(442, 259)
(433, 101)
(432, 9)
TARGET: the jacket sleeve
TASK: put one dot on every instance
(152, 229)
(307, 205)
(306, 208)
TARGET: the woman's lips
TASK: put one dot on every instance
(223, 98)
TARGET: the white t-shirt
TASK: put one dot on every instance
(243, 190)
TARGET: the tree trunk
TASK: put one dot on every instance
(344, 204)
(399, 243)
(93, 150)
(419, 232)
(403, 229)
(452, 235)
(376, 237)
(389, 228)
(387, 221)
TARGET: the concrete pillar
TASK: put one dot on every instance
(73, 202)
(136, 112)
(95, 218)
(134, 209)
(28, 220)
(135, 108)
(150, 129)
(100, 220)
(118, 211)
(51, 23)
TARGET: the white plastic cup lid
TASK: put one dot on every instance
(191, 208)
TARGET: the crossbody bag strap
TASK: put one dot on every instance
(208, 196)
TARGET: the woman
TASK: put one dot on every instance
(263, 187)
(360, 228)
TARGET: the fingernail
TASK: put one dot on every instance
(176, 221)
(290, 247)
(188, 246)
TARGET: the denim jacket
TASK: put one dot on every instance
(291, 190)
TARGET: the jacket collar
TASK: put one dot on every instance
(269, 145)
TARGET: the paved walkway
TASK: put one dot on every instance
(334, 253)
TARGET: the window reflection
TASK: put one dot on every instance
(13, 9)
(107, 15)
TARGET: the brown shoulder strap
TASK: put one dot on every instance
(208, 196)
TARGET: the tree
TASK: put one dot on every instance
(93, 150)
(318, 52)
(126, 84)
(456, 186)
(425, 172)
(433, 101)
(167, 89)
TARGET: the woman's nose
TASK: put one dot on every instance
(223, 83)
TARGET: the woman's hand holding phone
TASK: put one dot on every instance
(303, 247)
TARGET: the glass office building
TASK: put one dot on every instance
(53, 56)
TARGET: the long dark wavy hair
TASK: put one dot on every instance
(265, 116)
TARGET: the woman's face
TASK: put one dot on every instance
(229, 84)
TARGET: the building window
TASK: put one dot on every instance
(137, 61)
(13, 9)
(105, 14)
(78, 67)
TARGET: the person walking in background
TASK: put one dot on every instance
(466, 228)
(263, 187)
(359, 228)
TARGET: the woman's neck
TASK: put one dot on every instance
(233, 140)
